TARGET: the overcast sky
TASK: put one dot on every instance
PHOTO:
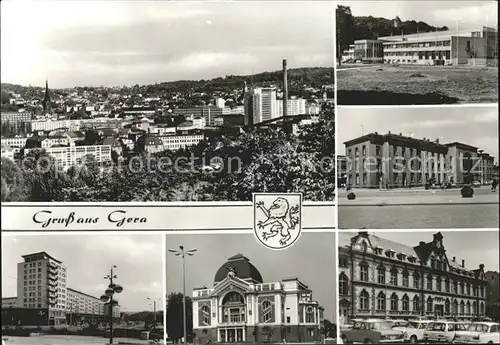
(467, 245)
(476, 126)
(88, 258)
(311, 260)
(138, 42)
(469, 14)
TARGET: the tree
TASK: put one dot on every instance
(91, 137)
(13, 183)
(175, 328)
(45, 179)
(345, 30)
(329, 329)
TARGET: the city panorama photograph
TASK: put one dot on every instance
(416, 52)
(419, 287)
(418, 168)
(82, 289)
(166, 101)
(236, 290)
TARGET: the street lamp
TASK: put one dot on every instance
(108, 298)
(182, 253)
(154, 308)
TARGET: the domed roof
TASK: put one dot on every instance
(242, 268)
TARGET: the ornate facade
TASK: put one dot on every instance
(382, 278)
(242, 308)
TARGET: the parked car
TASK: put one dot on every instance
(372, 331)
(479, 333)
(414, 331)
(350, 324)
(443, 331)
(476, 184)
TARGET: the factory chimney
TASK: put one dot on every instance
(285, 93)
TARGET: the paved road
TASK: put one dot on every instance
(417, 197)
(70, 340)
(418, 209)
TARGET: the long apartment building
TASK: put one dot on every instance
(49, 125)
(380, 278)
(43, 297)
(209, 113)
(450, 47)
(395, 160)
(158, 143)
(67, 156)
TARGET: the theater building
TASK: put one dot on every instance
(379, 278)
(393, 160)
(241, 307)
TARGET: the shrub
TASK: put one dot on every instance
(351, 196)
(467, 192)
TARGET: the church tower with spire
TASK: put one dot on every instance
(46, 99)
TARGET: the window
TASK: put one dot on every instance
(381, 301)
(381, 274)
(438, 283)
(377, 150)
(455, 307)
(481, 308)
(309, 315)
(205, 315)
(394, 302)
(343, 261)
(405, 278)
(405, 303)
(364, 298)
(416, 304)
(462, 308)
(447, 285)
(447, 306)
(364, 150)
(416, 280)
(474, 308)
(343, 285)
(363, 272)
(468, 289)
(462, 290)
(394, 276)
(429, 282)
(467, 308)
(429, 304)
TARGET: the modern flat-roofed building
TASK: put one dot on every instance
(392, 160)
(20, 121)
(48, 125)
(9, 302)
(380, 278)
(67, 156)
(41, 284)
(368, 50)
(241, 306)
(477, 47)
(260, 105)
(493, 295)
(209, 113)
(296, 106)
(81, 306)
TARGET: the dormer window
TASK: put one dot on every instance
(390, 253)
(364, 247)
(401, 256)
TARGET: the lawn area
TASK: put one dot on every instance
(388, 85)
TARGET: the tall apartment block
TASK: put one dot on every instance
(43, 298)
(41, 284)
(260, 105)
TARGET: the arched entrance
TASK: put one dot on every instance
(233, 312)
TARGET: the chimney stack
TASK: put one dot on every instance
(422, 243)
(463, 263)
(454, 258)
(437, 141)
(400, 134)
(389, 132)
(285, 92)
